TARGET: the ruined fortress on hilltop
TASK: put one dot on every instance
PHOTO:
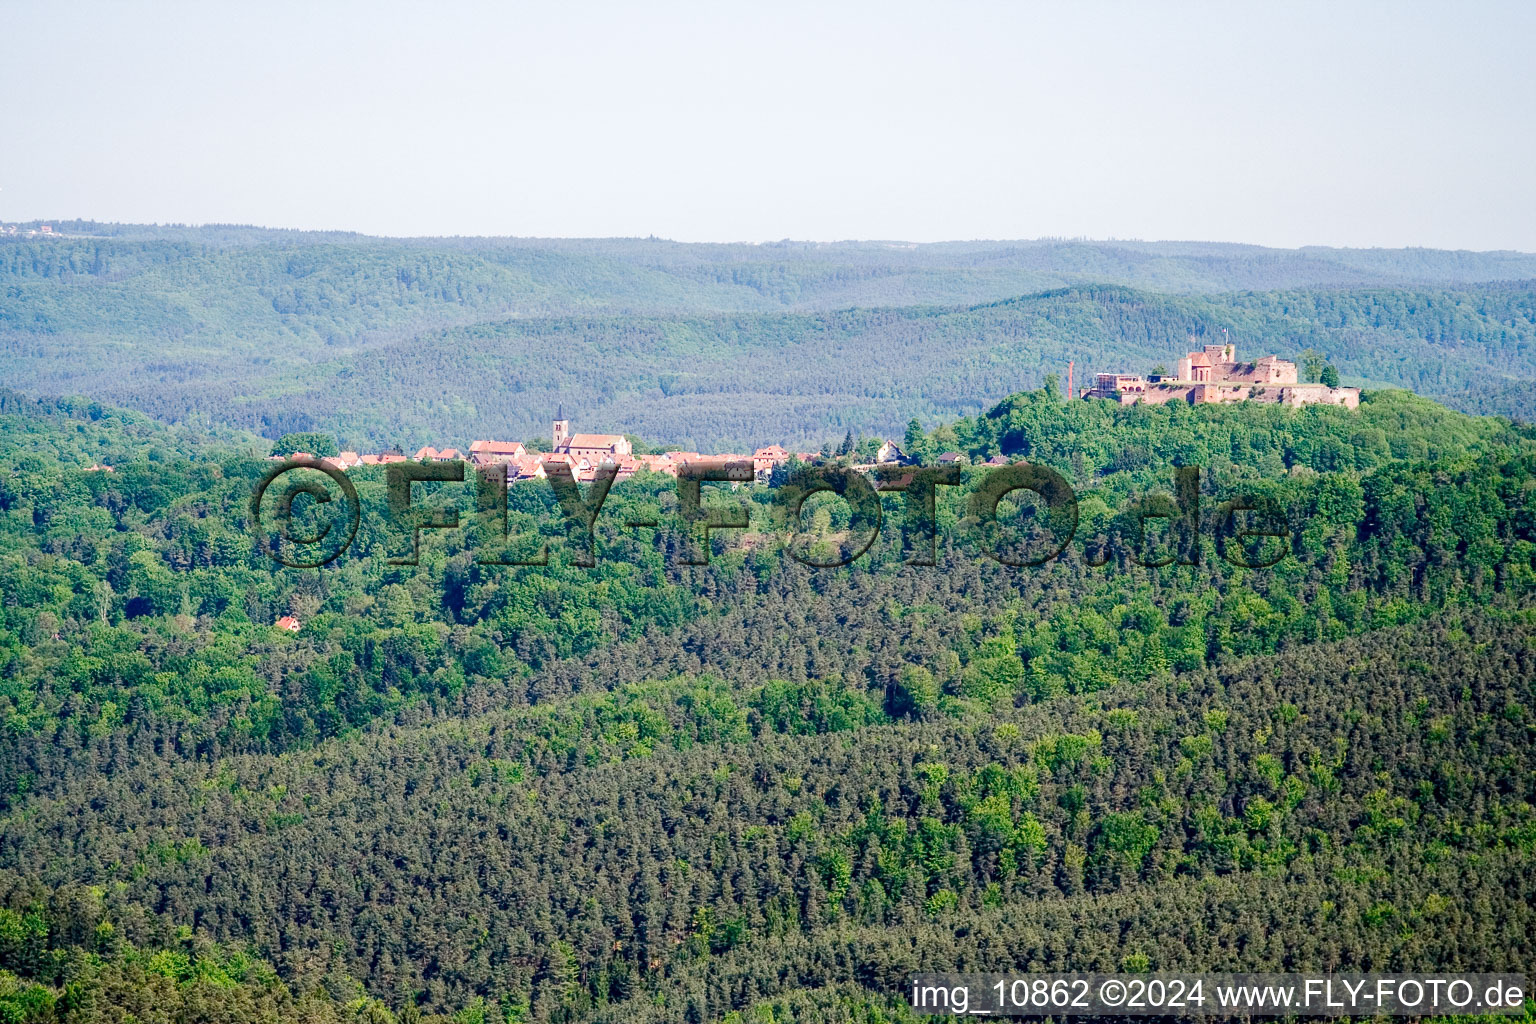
(1214, 375)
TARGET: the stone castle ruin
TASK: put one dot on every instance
(1214, 375)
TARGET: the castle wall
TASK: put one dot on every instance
(1313, 394)
(1293, 395)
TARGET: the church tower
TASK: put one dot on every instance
(562, 429)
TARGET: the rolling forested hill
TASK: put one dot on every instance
(711, 346)
(753, 791)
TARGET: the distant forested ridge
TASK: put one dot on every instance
(440, 341)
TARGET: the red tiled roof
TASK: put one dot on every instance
(527, 466)
(594, 441)
(494, 448)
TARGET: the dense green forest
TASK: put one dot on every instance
(440, 341)
(751, 790)
(1517, 400)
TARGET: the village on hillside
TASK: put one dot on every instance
(584, 453)
(1211, 375)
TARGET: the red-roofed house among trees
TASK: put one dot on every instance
(488, 453)
(765, 459)
(525, 467)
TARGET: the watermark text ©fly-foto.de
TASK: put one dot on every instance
(332, 521)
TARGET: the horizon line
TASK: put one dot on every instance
(786, 241)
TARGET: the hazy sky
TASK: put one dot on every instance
(1280, 123)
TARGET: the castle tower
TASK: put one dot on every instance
(561, 432)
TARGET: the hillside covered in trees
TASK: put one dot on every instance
(440, 341)
(752, 790)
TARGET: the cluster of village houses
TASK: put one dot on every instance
(584, 453)
(1212, 375)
